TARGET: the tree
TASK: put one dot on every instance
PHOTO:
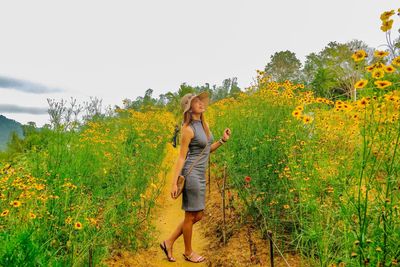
(284, 65)
(332, 72)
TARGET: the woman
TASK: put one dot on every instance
(195, 136)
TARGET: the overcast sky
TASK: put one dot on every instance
(118, 49)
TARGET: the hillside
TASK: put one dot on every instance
(7, 126)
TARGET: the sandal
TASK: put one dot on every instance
(188, 258)
(164, 248)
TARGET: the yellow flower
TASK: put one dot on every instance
(386, 15)
(78, 226)
(359, 55)
(387, 25)
(39, 186)
(396, 61)
(299, 108)
(15, 203)
(286, 207)
(370, 68)
(307, 119)
(68, 220)
(382, 84)
(380, 54)
(32, 215)
(378, 73)
(4, 213)
(389, 69)
(361, 84)
(362, 102)
(296, 113)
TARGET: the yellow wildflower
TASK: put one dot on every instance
(396, 61)
(68, 220)
(387, 25)
(78, 226)
(378, 73)
(380, 54)
(370, 68)
(362, 102)
(386, 15)
(359, 55)
(307, 119)
(4, 213)
(16, 203)
(296, 113)
(361, 84)
(389, 69)
(382, 84)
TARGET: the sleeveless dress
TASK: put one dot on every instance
(194, 189)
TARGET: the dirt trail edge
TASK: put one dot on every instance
(165, 216)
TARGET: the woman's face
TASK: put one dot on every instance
(197, 105)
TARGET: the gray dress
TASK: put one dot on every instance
(193, 193)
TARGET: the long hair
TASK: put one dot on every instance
(187, 119)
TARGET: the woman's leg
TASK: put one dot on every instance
(174, 236)
(187, 230)
(191, 217)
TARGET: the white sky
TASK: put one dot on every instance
(118, 49)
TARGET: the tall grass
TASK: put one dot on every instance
(81, 193)
(322, 175)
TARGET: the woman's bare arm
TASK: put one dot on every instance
(214, 145)
(187, 135)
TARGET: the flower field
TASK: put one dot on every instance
(77, 194)
(322, 173)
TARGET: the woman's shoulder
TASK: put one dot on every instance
(187, 130)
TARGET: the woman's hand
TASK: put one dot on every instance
(226, 134)
(174, 190)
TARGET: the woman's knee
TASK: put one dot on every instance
(199, 216)
(190, 216)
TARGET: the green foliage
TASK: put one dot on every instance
(331, 72)
(283, 66)
(97, 175)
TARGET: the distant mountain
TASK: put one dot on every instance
(7, 126)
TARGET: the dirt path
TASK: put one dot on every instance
(165, 216)
(245, 246)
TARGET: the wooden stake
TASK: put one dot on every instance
(209, 175)
(271, 248)
(223, 206)
(90, 256)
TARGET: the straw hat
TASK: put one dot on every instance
(187, 100)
